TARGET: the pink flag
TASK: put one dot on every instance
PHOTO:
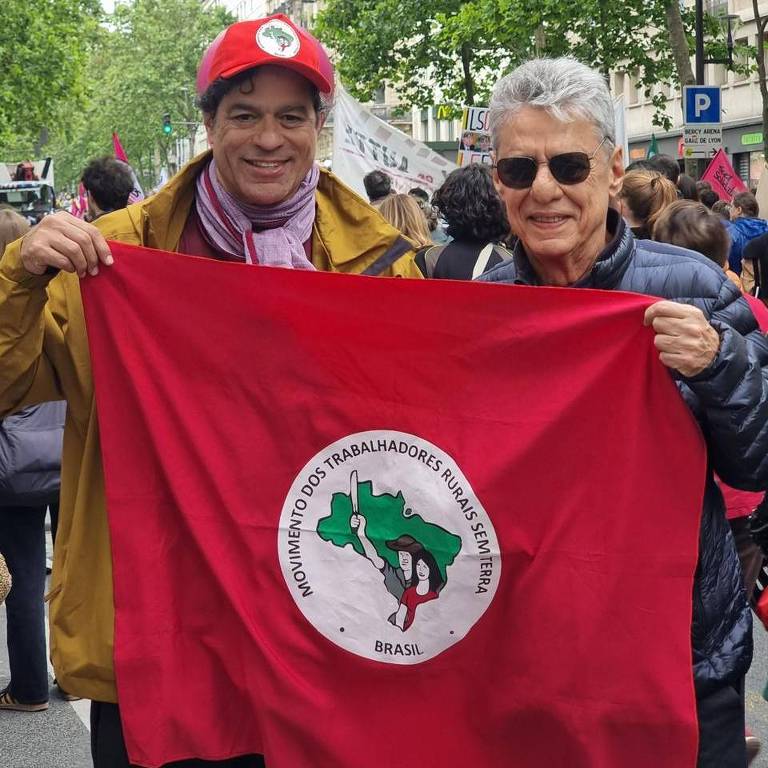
(118, 148)
(82, 202)
(724, 180)
(137, 193)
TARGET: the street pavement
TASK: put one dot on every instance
(56, 738)
(60, 738)
(757, 706)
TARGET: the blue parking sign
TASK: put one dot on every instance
(702, 104)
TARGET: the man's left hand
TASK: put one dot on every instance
(686, 341)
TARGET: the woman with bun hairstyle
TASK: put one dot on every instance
(643, 196)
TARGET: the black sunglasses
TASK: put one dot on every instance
(568, 168)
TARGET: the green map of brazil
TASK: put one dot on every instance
(386, 518)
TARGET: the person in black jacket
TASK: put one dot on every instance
(755, 262)
(476, 221)
(558, 169)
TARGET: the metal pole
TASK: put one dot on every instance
(699, 42)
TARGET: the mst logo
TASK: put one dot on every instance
(278, 39)
(386, 549)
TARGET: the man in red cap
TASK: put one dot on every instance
(256, 197)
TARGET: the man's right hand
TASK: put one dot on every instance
(64, 242)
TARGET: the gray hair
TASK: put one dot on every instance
(564, 87)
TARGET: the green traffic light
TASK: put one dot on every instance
(167, 127)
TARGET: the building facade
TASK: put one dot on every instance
(741, 102)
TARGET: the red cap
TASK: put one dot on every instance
(272, 40)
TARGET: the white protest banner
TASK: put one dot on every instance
(363, 143)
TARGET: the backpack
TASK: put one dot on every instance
(30, 455)
(432, 255)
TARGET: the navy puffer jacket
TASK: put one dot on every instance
(730, 402)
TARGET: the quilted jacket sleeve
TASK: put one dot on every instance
(732, 395)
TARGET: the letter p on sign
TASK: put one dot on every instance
(701, 103)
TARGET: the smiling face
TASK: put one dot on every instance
(561, 226)
(406, 560)
(264, 135)
(422, 570)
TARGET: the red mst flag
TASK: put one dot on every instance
(375, 523)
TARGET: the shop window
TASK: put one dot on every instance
(756, 167)
(741, 165)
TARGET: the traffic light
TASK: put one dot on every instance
(167, 127)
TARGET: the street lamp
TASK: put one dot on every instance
(699, 33)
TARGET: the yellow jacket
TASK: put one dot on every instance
(44, 356)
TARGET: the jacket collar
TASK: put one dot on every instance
(166, 213)
(345, 225)
(607, 270)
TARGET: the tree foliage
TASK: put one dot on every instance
(414, 45)
(43, 58)
(461, 48)
(143, 65)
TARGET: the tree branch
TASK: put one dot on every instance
(469, 84)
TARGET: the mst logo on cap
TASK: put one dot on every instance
(386, 549)
(278, 39)
(273, 40)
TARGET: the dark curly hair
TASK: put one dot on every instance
(470, 205)
(109, 181)
(209, 101)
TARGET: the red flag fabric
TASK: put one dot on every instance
(724, 180)
(118, 148)
(375, 522)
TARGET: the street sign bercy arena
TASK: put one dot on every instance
(703, 131)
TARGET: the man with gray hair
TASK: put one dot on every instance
(557, 168)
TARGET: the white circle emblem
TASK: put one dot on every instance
(278, 39)
(386, 549)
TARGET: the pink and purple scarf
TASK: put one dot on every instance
(229, 224)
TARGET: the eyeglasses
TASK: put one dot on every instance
(567, 168)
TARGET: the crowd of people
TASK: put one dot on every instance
(557, 208)
(466, 222)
